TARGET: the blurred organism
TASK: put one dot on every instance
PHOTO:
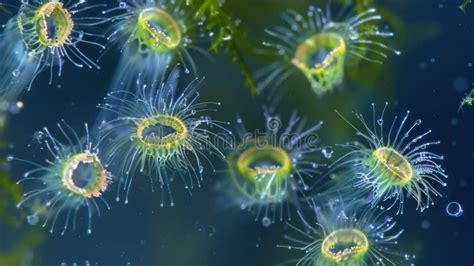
(321, 47)
(268, 171)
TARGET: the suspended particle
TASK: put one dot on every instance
(268, 171)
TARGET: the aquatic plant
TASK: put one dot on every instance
(160, 131)
(267, 170)
(29, 45)
(467, 100)
(346, 233)
(393, 164)
(464, 4)
(21, 252)
(320, 48)
(74, 178)
(226, 35)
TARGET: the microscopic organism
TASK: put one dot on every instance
(467, 100)
(74, 178)
(162, 132)
(44, 35)
(267, 170)
(346, 234)
(151, 35)
(320, 48)
(394, 164)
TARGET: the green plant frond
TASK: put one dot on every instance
(228, 35)
(464, 4)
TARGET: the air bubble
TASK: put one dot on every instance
(266, 222)
(454, 209)
(32, 219)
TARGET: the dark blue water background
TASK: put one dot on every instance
(205, 229)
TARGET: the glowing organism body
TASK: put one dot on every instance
(75, 178)
(151, 35)
(268, 170)
(160, 132)
(346, 235)
(44, 34)
(320, 48)
(393, 165)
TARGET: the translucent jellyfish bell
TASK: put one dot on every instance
(158, 30)
(321, 58)
(52, 24)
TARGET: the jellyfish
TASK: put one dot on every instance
(320, 48)
(268, 171)
(392, 164)
(151, 34)
(346, 233)
(162, 132)
(44, 35)
(74, 178)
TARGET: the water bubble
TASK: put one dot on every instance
(16, 73)
(210, 230)
(425, 224)
(454, 209)
(266, 222)
(461, 84)
(38, 136)
(32, 219)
